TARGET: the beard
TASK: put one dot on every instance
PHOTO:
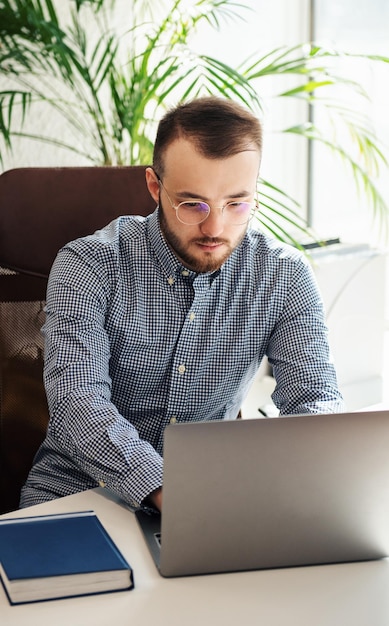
(201, 262)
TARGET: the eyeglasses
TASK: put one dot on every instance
(191, 212)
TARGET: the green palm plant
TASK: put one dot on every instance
(112, 87)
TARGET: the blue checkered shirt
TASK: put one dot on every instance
(134, 341)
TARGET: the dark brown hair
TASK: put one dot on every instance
(218, 128)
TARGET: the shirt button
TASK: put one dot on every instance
(185, 273)
(102, 483)
(170, 280)
(181, 369)
(192, 316)
(173, 420)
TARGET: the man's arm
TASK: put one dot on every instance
(299, 351)
(84, 422)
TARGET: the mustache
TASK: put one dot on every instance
(209, 241)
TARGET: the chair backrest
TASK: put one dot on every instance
(41, 209)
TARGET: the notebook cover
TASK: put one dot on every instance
(58, 545)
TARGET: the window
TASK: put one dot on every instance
(355, 26)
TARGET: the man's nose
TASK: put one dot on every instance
(213, 226)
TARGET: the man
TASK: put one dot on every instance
(166, 319)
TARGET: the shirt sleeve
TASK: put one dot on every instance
(299, 351)
(84, 422)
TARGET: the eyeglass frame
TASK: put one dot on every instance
(254, 203)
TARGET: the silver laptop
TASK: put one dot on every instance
(266, 493)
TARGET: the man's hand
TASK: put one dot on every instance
(155, 499)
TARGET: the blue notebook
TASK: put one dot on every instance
(58, 556)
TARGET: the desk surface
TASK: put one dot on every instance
(353, 594)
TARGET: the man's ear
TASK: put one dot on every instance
(152, 184)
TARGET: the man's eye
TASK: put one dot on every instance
(195, 206)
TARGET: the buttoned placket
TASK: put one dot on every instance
(185, 361)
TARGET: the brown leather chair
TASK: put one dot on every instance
(40, 210)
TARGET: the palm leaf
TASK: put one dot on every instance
(362, 177)
(281, 215)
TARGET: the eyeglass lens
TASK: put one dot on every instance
(197, 212)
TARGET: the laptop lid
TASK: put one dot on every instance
(265, 493)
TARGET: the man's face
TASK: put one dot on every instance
(188, 175)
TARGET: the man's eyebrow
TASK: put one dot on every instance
(195, 196)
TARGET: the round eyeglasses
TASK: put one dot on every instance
(192, 212)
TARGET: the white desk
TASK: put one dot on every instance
(355, 594)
